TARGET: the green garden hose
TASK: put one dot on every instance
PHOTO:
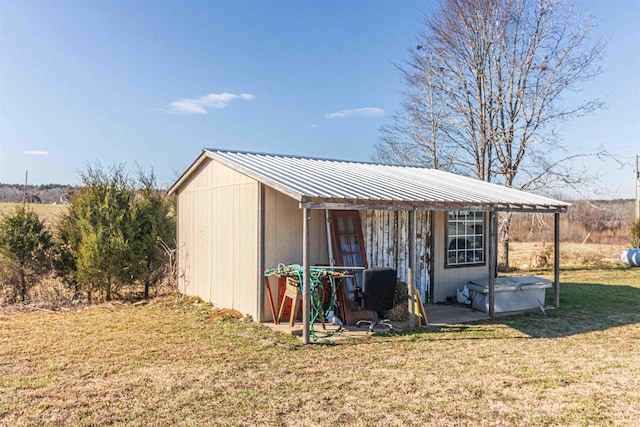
(317, 289)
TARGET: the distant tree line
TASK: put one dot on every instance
(117, 235)
(44, 193)
(34, 186)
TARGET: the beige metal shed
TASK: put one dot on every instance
(241, 213)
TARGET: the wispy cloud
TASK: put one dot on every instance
(201, 104)
(357, 112)
(36, 153)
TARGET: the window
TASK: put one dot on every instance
(465, 238)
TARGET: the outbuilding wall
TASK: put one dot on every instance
(218, 237)
(446, 281)
(283, 239)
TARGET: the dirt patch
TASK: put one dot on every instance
(225, 313)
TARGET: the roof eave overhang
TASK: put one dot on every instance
(208, 155)
(409, 205)
(341, 203)
(197, 163)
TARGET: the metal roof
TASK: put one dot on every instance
(337, 184)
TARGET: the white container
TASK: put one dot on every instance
(511, 293)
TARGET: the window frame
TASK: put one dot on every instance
(483, 236)
(339, 254)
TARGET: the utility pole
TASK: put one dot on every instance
(637, 199)
(26, 178)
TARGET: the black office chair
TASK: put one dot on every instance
(378, 290)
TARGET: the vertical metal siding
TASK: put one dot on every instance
(235, 223)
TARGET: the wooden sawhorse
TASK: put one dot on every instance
(293, 293)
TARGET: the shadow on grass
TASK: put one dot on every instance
(585, 307)
(483, 330)
(593, 298)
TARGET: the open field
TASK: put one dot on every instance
(47, 212)
(521, 253)
(170, 363)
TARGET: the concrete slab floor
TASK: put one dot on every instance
(437, 314)
(452, 314)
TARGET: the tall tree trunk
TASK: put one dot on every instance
(108, 290)
(147, 279)
(503, 241)
(23, 285)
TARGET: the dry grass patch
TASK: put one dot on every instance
(49, 214)
(166, 363)
(521, 253)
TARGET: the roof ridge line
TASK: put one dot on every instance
(293, 156)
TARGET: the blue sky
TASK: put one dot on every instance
(154, 82)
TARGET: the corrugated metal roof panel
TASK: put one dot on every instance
(315, 180)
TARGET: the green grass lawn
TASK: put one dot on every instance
(168, 363)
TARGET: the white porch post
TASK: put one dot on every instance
(306, 287)
(492, 260)
(411, 269)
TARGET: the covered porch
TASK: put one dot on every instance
(448, 315)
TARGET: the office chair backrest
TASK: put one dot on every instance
(378, 288)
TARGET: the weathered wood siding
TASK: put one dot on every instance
(448, 280)
(283, 237)
(218, 238)
(387, 243)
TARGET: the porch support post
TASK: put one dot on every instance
(411, 270)
(493, 260)
(306, 287)
(556, 260)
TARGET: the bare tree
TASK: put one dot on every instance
(421, 134)
(486, 86)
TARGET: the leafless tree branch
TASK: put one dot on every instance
(485, 87)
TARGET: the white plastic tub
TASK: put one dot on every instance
(511, 293)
